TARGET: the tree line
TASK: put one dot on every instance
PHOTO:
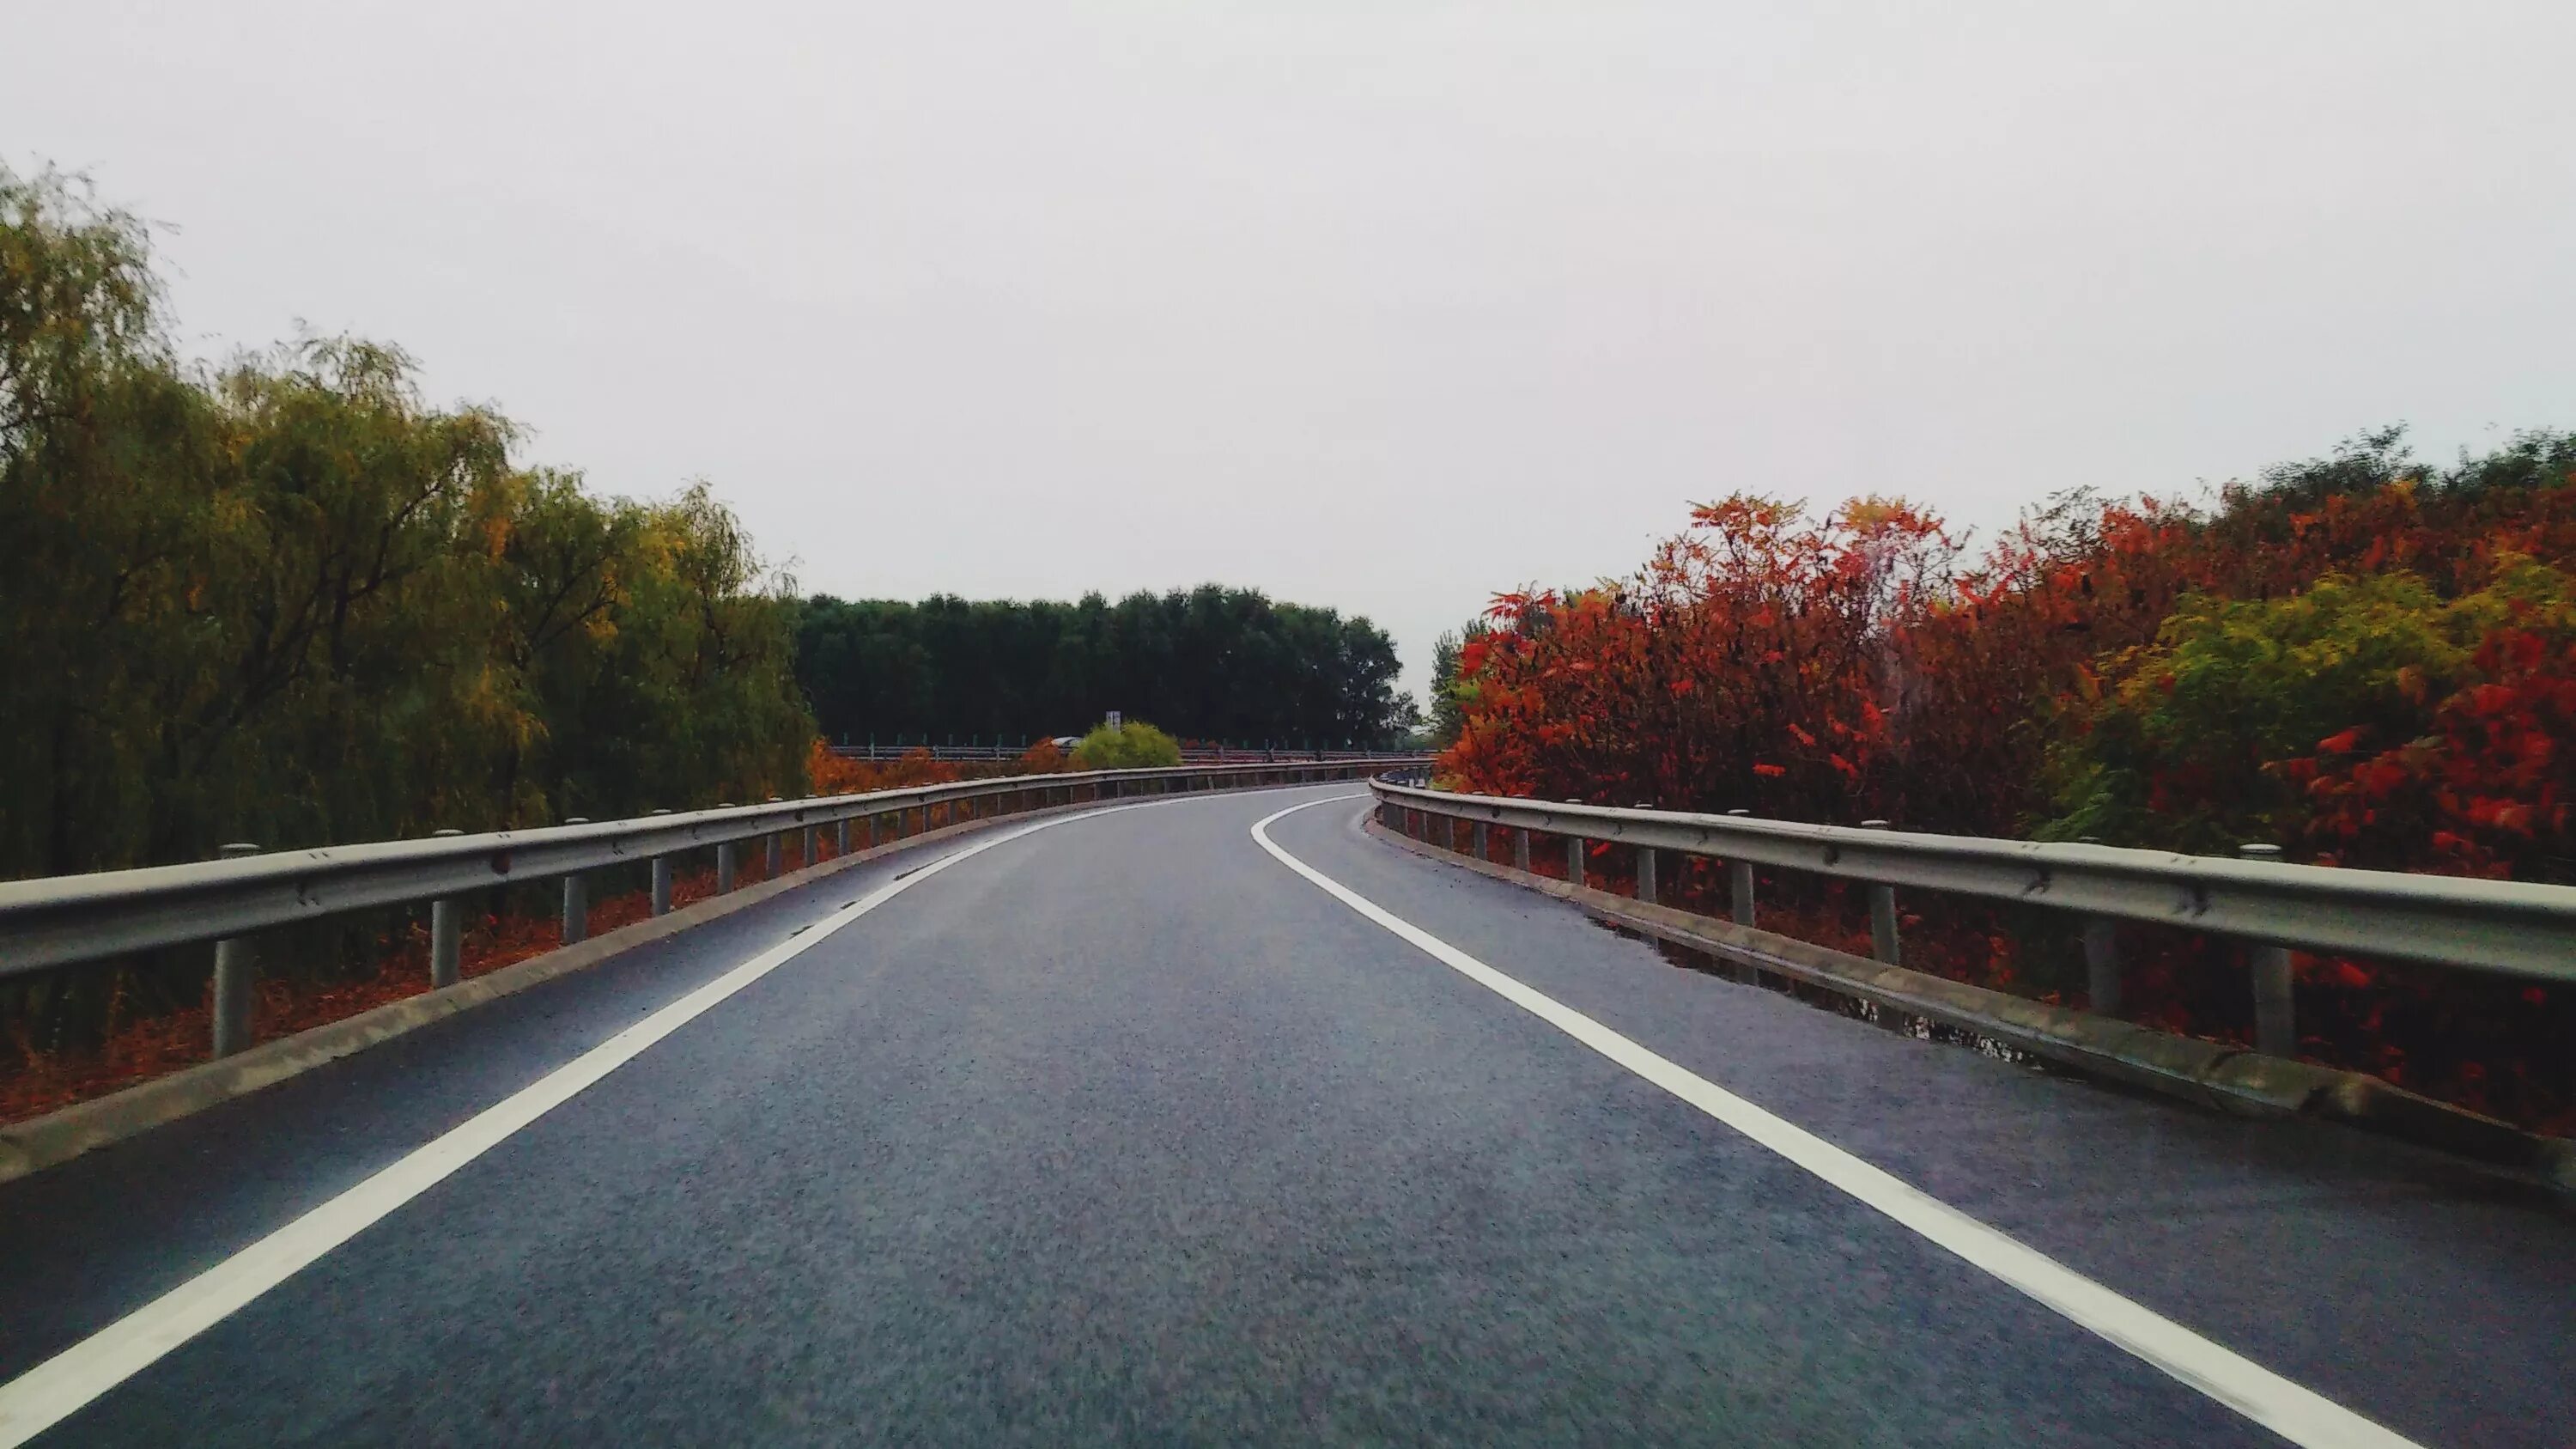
(1207, 663)
(282, 600)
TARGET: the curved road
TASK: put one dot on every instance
(1121, 1127)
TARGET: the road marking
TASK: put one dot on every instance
(53, 1390)
(2297, 1414)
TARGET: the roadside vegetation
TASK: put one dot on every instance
(283, 600)
(2364, 659)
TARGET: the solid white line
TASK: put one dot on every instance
(56, 1388)
(2295, 1413)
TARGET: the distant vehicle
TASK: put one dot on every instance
(1066, 742)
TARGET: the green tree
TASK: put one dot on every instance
(287, 601)
(1451, 693)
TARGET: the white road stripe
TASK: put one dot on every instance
(2295, 1413)
(55, 1389)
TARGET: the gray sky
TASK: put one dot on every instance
(1383, 305)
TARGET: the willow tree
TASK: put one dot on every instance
(288, 601)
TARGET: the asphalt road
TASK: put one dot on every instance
(1121, 1131)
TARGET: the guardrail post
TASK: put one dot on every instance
(576, 900)
(1646, 883)
(1573, 853)
(234, 973)
(813, 845)
(777, 848)
(662, 880)
(1521, 851)
(446, 934)
(1740, 873)
(1882, 913)
(1883, 943)
(2276, 1022)
(2102, 964)
(841, 837)
(728, 866)
(1483, 841)
(2276, 1026)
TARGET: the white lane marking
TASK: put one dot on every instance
(2297, 1414)
(53, 1390)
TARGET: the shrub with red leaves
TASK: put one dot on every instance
(2360, 658)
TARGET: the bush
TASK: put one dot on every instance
(2365, 721)
(1134, 745)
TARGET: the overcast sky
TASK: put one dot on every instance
(1380, 305)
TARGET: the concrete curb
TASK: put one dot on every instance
(2231, 1079)
(59, 1136)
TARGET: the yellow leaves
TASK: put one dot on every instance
(1876, 515)
(1745, 513)
(496, 535)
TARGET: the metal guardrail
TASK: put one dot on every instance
(66, 920)
(2510, 927)
(1191, 754)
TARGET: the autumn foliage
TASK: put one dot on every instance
(2363, 660)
